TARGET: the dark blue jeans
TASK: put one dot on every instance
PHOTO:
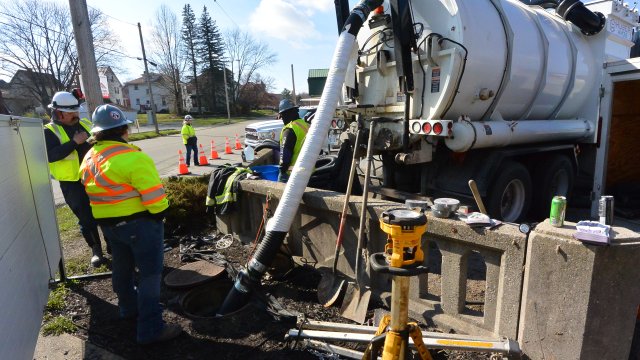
(76, 197)
(192, 148)
(138, 244)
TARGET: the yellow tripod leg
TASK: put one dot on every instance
(381, 329)
(416, 335)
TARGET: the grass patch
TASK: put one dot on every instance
(151, 134)
(58, 325)
(57, 298)
(76, 266)
(206, 120)
(67, 224)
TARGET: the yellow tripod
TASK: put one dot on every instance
(402, 258)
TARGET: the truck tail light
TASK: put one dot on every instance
(415, 127)
(426, 128)
(437, 128)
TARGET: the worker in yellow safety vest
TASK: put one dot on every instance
(66, 138)
(291, 137)
(190, 140)
(129, 202)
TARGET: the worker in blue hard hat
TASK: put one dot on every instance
(291, 137)
(66, 138)
(129, 202)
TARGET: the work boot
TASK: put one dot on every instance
(96, 259)
(169, 332)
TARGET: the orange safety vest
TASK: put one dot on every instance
(121, 180)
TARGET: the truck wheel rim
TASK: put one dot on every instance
(512, 200)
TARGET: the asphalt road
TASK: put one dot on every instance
(164, 149)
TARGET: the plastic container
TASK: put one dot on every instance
(267, 172)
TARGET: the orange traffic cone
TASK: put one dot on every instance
(182, 167)
(203, 158)
(214, 153)
(227, 147)
(238, 144)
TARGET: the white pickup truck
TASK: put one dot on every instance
(259, 131)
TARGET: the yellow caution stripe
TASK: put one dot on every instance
(464, 343)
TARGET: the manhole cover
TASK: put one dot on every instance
(193, 274)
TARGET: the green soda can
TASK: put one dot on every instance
(558, 209)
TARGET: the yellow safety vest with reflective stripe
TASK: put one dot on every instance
(300, 128)
(121, 180)
(187, 132)
(67, 168)
(228, 195)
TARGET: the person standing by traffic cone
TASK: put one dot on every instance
(129, 202)
(190, 140)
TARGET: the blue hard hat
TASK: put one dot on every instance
(107, 117)
(285, 105)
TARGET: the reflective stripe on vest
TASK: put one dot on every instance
(113, 192)
(300, 128)
(67, 168)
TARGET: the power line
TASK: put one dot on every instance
(221, 8)
(61, 33)
(113, 17)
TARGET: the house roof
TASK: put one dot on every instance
(318, 73)
(4, 84)
(35, 77)
(141, 80)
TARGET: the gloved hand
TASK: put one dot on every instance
(283, 177)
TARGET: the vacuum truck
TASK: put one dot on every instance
(516, 95)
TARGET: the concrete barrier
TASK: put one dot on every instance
(563, 300)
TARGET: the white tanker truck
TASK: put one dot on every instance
(517, 95)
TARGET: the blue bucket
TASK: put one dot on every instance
(267, 172)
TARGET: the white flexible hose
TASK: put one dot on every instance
(292, 196)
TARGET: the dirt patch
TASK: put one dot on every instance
(253, 333)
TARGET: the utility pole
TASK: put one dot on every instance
(226, 91)
(86, 55)
(293, 80)
(146, 73)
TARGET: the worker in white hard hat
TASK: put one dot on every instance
(66, 141)
(190, 140)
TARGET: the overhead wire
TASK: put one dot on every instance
(61, 33)
(113, 17)
(221, 8)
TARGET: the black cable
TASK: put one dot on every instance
(464, 65)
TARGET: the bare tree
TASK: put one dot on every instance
(248, 55)
(37, 38)
(167, 53)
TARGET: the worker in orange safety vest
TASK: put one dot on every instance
(128, 200)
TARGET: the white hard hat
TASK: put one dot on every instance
(64, 101)
(188, 118)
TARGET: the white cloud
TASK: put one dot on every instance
(288, 20)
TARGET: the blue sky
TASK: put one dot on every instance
(301, 32)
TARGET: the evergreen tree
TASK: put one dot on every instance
(189, 37)
(210, 49)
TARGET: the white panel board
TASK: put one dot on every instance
(29, 240)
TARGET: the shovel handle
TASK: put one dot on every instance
(343, 215)
(476, 195)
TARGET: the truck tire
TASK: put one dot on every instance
(509, 197)
(553, 176)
